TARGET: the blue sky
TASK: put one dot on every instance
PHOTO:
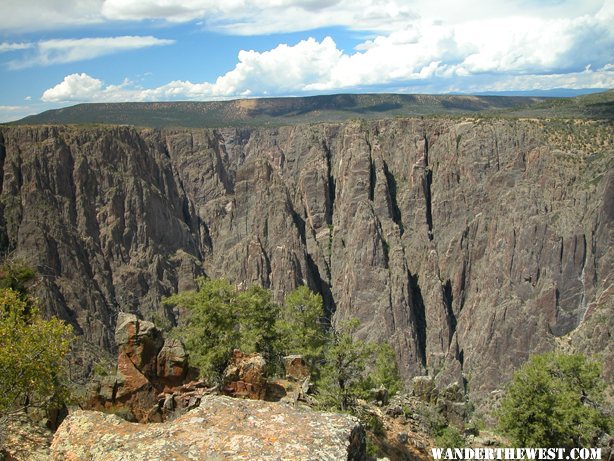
(55, 53)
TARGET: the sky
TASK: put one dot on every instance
(56, 53)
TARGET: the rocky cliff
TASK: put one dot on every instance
(466, 243)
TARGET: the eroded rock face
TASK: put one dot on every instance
(295, 368)
(245, 376)
(423, 388)
(172, 361)
(146, 366)
(221, 428)
(467, 244)
(139, 343)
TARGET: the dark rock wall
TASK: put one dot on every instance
(466, 244)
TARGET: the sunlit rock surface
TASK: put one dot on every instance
(222, 428)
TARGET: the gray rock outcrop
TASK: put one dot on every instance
(222, 428)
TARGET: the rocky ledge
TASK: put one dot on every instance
(220, 428)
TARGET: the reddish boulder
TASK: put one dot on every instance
(172, 362)
(146, 365)
(245, 376)
(296, 368)
(138, 341)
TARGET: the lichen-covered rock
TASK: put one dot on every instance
(21, 439)
(452, 406)
(172, 364)
(222, 428)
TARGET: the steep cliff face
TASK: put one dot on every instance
(467, 244)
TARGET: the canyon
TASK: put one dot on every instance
(468, 243)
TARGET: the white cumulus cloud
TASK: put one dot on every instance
(542, 45)
(257, 17)
(60, 51)
(75, 87)
(409, 41)
(427, 57)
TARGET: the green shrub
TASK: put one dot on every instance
(345, 375)
(103, 368)
(32, 350)
(16, 274)
(374, 424)
(301, 326)
(341, 377)
(222, 318)
(554, 401)
(373, 449)
(449, 437)
(434, 420)
(384, 371)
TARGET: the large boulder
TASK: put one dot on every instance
(138, 341)
(172, 364)
(22, 439)
(245, 376)
(423, 387)
(220, 428)
(146, 366)
(451, 404)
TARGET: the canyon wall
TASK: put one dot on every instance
(468, 244)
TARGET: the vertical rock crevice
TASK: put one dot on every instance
(2, 159)
(372, 173)
(4, 238)
(427, 181)
(448, 304)
(418, 312)
(395, 211)
(330, 182)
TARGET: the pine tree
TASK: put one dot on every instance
(301, 326)
(554, 401)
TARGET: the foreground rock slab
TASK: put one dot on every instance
(222, 428)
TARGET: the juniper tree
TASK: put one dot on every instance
(32, 350)
(554, 400)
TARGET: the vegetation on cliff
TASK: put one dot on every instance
(342, 374)
(32, 349)
(555, 400)
(222, 317)
(301, 326)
